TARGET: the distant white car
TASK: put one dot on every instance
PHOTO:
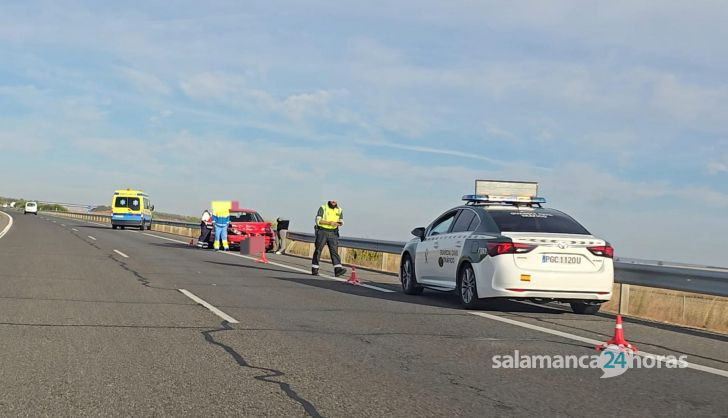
(5, 205)
(31, 207)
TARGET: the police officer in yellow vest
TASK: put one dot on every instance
(328, 220)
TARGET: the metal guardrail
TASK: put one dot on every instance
(176, 223)
(392, 247)
(705, 280)
(658, 274)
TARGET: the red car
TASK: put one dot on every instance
(244, 223)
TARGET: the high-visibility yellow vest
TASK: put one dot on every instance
(332, 215)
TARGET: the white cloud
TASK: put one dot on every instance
(693, 104)
(718, 166)
(143, 81)
(212, 86)
(446, 152)
(23, 141)
(156, 118)
(233, 91)
(296, 107)
(132, 154)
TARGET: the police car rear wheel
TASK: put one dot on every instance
(408, 278)
(467, 290)
(585, 308)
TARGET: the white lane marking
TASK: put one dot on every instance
(300, 270)
(7, 228)
(121, 254)
(92, 237)
(74, 229)
(63, 224)
(591, 341)
(165, 238)
(212, 309)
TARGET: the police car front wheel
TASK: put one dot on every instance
(467, 289)
(408, 278)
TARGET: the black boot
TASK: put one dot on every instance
(339, 271)
(314, 271)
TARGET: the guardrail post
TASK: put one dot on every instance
(623, 298)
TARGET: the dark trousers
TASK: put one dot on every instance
(326, 237)
(204, 233)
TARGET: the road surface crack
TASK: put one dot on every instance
(269, 374)
(138, 276)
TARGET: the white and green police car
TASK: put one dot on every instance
(502, 243)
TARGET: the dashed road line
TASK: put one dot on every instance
(74, 229)
(212, 309)
(121, 254)
(92, 237)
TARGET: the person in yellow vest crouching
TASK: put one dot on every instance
(328, 220)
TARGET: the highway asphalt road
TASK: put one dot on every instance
(93, 322)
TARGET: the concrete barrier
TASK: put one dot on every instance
(670, 306)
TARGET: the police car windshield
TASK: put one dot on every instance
(245, 217)
(536, 220)
(127, 202)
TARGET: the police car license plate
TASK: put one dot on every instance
(560, 259)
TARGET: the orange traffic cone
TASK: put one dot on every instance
(262, 258)
(618, 338)
(353, 279)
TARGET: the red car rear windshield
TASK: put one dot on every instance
(245, 217)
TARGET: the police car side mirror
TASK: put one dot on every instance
(419, 233)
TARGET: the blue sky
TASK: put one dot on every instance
(394, 108)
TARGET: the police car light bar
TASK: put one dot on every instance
(479, 198)
(506, 188)
(509, 192)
